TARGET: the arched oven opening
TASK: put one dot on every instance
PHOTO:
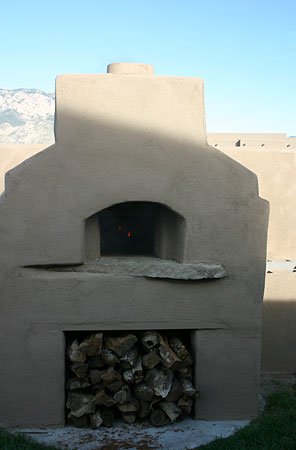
(135, 229)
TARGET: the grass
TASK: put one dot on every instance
(19, 441)
(275, 429)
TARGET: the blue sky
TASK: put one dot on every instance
(244, 50)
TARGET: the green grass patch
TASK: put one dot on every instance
(275, 429)
(9, 441)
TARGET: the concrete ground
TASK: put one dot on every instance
(184, 435)
(187, 434)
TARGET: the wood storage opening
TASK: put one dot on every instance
(144, 376)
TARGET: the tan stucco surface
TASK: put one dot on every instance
(12, 155)
(120, 138)
(276, 171)
(279, 319)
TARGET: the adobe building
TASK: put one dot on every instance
(272, 158)
(130, 143)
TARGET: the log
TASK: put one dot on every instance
(178, 347)
(92, 345)
(168, 357)
(158, 418)
(149, 339)
(82, 403)
(185, 404)
(185, 372)
(128, 360)
(115, 386)
(170, 409)
(74, 383)
(80, 370)
(128, 376)
(75, 354)
(127, 407)
(181, 351)
(144, 392)
(175, 392)
(103, 398)
(144, 410)
(188, 361)
(108, 357)
(95, 376)
(107, 417)
(120, 344)
(160, 380)
(187, 387)
(129, 417)
(96, 420)
(110, 375)
(136, 402)
(122, 396)
(151, 359)
(154, 401)
(137, 370)
(79, 422)
(95, 362)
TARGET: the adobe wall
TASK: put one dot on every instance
(278, 323)
(273, 158)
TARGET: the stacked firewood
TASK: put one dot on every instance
(146, 376)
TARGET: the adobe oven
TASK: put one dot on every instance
(130, 221)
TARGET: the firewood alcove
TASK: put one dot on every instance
(142, 376)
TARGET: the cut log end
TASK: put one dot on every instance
(158, 418)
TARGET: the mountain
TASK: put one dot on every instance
(26, 116)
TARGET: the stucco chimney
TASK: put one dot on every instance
(132, 68)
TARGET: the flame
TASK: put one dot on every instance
(119, 228)
(129, 234)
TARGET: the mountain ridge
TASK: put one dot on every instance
(26, 116)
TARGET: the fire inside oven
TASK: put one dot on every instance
(128, 229)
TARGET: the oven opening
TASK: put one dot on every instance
(135, 229)
(129, 229)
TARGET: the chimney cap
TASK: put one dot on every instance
(130, 68)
